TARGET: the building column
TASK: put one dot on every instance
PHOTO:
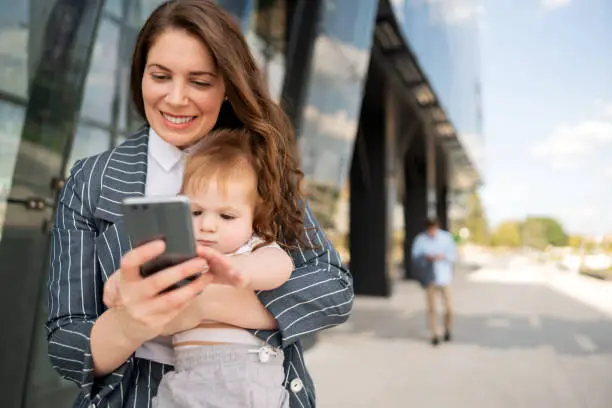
(373, 193)
(442, 188)
(415, 196)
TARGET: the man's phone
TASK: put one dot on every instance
(166, 218)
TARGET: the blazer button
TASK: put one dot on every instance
(296, 385)
(264, 355)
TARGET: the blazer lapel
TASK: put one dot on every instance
(125, 175)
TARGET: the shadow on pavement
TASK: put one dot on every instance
(496, 331)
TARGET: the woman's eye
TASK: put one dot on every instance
(201, 84)
(160, 77)
(227, 217)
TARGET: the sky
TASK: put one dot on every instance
(547, 111)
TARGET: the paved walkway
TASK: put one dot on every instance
(520, 341)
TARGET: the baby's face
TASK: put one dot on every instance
(223, 214)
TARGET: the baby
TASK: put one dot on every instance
(216, 364)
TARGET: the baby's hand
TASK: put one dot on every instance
(223, 268)
(111, 296)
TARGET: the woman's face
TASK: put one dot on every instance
(181, 88)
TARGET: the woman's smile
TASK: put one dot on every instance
(177, 121)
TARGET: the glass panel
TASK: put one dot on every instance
(340, 62)
(120, 139)
(101, 79)
(114, 7)
(128, 119)
(266, 38)
(14, 47)
(88, 141)
(44, 50)
(142, 9)
(239, 9)
(11, 122)
(331, 114)
(45, 387)
(445, 41)
(271, 24)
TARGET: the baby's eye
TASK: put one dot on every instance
(196, 213)
(227, 217)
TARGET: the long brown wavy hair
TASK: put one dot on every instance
(249, 105)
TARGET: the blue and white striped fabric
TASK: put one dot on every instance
(88, 241)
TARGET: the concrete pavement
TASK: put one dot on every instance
(520, 341)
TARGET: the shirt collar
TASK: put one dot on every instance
(166, 154)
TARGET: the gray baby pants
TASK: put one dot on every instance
(224, 376)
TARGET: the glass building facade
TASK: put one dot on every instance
(64, 68)
(444, 36)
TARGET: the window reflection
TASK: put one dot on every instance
(142, 9)
(266, 37)
(335, 91)
(331, 114)
(114, 7)
(271, 24)
(445, 43)
(88, 141)
(11, 122)
(14, 47)
(101, 80)
(45, 387)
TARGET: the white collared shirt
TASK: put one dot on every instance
(165, 166)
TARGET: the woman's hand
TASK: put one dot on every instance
(190, 317)
(145, 309)
(111, 291)
(140, 311)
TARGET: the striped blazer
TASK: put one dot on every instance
(88, 241)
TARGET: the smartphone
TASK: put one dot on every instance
(166, 218)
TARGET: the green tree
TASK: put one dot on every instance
(539, 232)
(475, 221)
(507, 234)
(575, 241)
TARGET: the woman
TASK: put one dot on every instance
(192, 71)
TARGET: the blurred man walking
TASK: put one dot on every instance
(433, 254)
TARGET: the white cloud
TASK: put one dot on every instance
(456, 11)
(331, 54)
(554, 4)
(607, 111)
(568, 144)
(337, 125)
(398, 6)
